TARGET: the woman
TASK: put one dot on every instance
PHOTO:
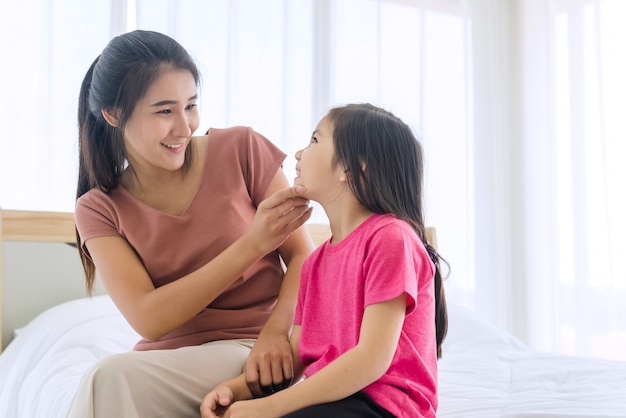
(186, 233)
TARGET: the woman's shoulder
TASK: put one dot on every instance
(97, 200)
(241, 135)
(96, 207)
(93, 197)
(231, 132)
(222, 144)
(243, 140)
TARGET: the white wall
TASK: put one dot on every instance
(37, 276)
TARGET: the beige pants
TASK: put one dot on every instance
(158, 383)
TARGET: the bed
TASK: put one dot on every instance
(484, 372)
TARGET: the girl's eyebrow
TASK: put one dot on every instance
(172, 102)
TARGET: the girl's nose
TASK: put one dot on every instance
(298, 155)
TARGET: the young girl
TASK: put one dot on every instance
(371, 314)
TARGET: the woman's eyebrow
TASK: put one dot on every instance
(172, 102)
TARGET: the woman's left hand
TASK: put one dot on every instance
(269, 367)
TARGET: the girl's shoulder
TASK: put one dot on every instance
(390, 230)
(388, 224)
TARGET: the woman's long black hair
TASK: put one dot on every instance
(116, 81)
(392, 181)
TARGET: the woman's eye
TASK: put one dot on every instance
(164, 112)
(191, 106)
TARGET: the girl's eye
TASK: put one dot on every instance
(313, 140)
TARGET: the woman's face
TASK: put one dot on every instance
(315, 169)
(163, 121)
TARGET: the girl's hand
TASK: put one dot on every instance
(216, 403)
(277, 217)
(254, 408)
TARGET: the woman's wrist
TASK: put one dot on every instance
(275, 327)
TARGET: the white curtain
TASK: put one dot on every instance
(582, 182)
(550, 180)
(46, 47)
(517, 103)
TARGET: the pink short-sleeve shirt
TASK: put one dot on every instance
(380, 260)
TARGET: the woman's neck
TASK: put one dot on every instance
(138, 181)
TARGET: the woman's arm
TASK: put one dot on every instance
(270, 362)
(220, 398)
(348, 374)
(154, 312)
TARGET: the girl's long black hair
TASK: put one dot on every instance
(392, 181)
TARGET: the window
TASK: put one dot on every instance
(410, 57)
(589, 69)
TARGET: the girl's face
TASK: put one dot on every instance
(315, 169)
(163, 121)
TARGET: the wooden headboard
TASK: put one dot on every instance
(19, 225)
(33, 226)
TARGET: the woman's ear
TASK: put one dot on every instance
(111, 116)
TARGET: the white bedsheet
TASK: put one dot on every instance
(41, 369)
(484, 372)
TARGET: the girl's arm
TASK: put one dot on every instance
(348, 374)
(353, 370)
(154, 312)
(270, 362)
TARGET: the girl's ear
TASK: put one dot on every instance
(344, 172)
(111, 116)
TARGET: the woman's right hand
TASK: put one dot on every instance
(278, 216)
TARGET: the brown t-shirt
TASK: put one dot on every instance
(239, 166)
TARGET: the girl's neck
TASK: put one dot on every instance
(346, 219)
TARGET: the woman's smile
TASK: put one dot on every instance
(175, 148)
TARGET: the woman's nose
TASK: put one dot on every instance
(181, 126)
